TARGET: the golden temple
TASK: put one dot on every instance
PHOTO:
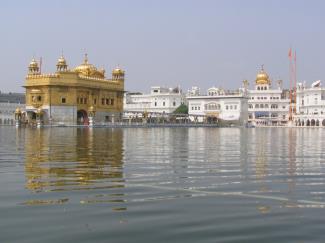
(72, 96)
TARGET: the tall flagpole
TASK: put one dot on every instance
(290, 87)
(40, 65)
(295, 82)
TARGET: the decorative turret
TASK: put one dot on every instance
(62, 64)
(33, 67)
(118, 74)
(245, 84)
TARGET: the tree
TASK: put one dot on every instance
(182, 109)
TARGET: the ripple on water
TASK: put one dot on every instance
(162, 185)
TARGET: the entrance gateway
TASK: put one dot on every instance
(82, 117)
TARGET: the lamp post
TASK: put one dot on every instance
(91, 113)
(18, 117)
(39, 113)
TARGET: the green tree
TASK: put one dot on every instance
(182, 109)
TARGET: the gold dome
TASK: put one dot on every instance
(91, 109)
(118, 71)
(262, 77)
(88, 69)
(18, 110)
(62, 64)
(33, 63)
(61, 61)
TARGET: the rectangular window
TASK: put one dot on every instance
(155, 103)
(103, 101)
(95, 101)
(107, 101)
(63, 100)
(85, 99)
(164, 103)
(112, 101)
(78, 100)
(174, 103)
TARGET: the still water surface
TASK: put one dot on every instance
(162, 185)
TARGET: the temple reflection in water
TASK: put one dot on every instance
(73, 159)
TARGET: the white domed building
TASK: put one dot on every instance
(267, 106)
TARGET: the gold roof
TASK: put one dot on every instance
(91, 109)
(18, 110)
(61, 61)
(33, 63)
(262, 77)
(88, 69)
(118, 70)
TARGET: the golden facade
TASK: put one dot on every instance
(70, 96)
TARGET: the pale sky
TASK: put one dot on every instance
(200, 43)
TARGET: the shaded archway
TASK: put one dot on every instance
(82, 117)
(323, 123)
(317, 123)
(308, 123)
(312, 123)
(302, 123)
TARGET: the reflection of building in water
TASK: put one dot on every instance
(73, 159)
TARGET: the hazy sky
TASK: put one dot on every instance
(168, 42)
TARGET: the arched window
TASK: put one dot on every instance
(312, 123)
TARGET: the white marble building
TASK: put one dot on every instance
(9, 102)
(159, 101)
(218, 106)
(267, 106)
(310, 105)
